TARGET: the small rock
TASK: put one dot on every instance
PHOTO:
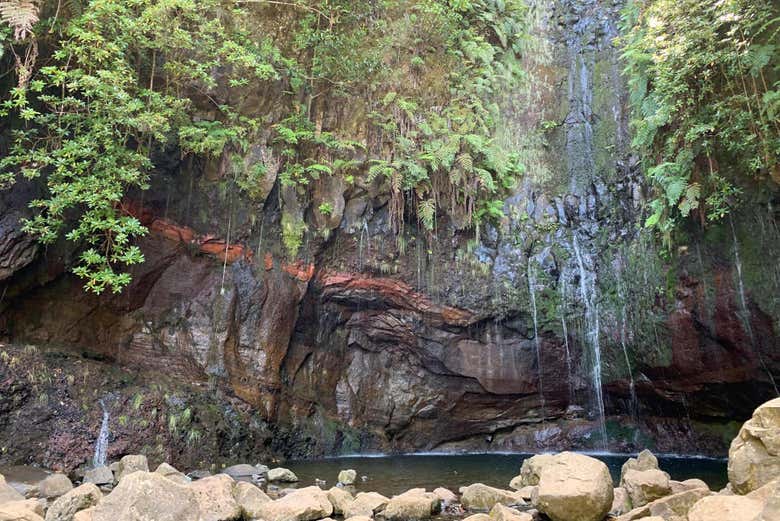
(171, 473)
(347, 477)
(131, 463)
(80, 498)
(483, 497)
(249, 498)
(366, 504)
(241, 471)
(215, 498)
(54, 486)
(283, 475)
(199, 474)
(688, 484)
(99, 476)
(621, 503)
(340, 499)
(722, 508)
(527, 492)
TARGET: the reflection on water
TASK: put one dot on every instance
(395, 474)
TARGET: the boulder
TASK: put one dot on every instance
(80, 498)
(171, 473)
(283, 475)
(33, 505)
(574, 487)
(305, 504)
(644, 486)
(621, 503)
(340, 499)
(245, 472)
(483, 497)
(7, 492)
(99, 476)
(347, 477)
(726, 508)
(754, 455)
(688, 484)
(478, 517)
(771, 511)
(771, 489)
(365, 504)
(54, 486)
(249, 499)
(129, 464)
(529, 471)
(411, 505)
(214, 495)
(142, 496)
(645, 460)
(85, 515)
(527, 492)
(19, 511)
(446, 496)
(671, 508)
(501, 513)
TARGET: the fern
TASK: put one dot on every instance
(20, 15)
(426, 210)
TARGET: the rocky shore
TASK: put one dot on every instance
(558, 487)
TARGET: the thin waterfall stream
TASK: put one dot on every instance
(537, 341)
(101, 445)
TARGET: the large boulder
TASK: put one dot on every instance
(7, 492)
(574, 487)
(644, 486)
(340, 499)
(283, 475)
(54, 486)
(99, 476)
(530, 469)
(305, 504)
(171, 473)
(726, 508)
(483, 497)
(214, 495)
(80, 498)
(250, 499)
(366, 504)
(645, 460)
(347, 477)
(411, 505)
(754, 455)
(129, 464)
(142, 496)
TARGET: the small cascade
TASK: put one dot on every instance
(565, 330)
(365, 237)
(634, 405)
(745, 311)
(101, 445)
(587, 292)
(537, 340)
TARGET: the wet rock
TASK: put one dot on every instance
(305, 504)
(754, 455)
(54, 486)
(99, 476)
(215, 498)
(129, 464)
(721, 508)
(171, 473)
(80, 498)
(529, 471)
(644, 486)
(411, 505)
(17, 248)
(446, 496)
(574, 487)
(282, 475)
(250, 499)
(347, 477)
(483, 497)
(645, 460)
(7, 492)
(501, 513)
(366, 504)
(340, 499)
(141, 496)
(621, 503)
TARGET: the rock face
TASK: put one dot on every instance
(80, 498)
(754, 455)
(574, 487)
(141, 496)
(305, 504)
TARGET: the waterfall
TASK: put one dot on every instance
(101, 445)
(537, 341)
(634, 406)
(587, 291)
(745, 311)
(566, 340)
